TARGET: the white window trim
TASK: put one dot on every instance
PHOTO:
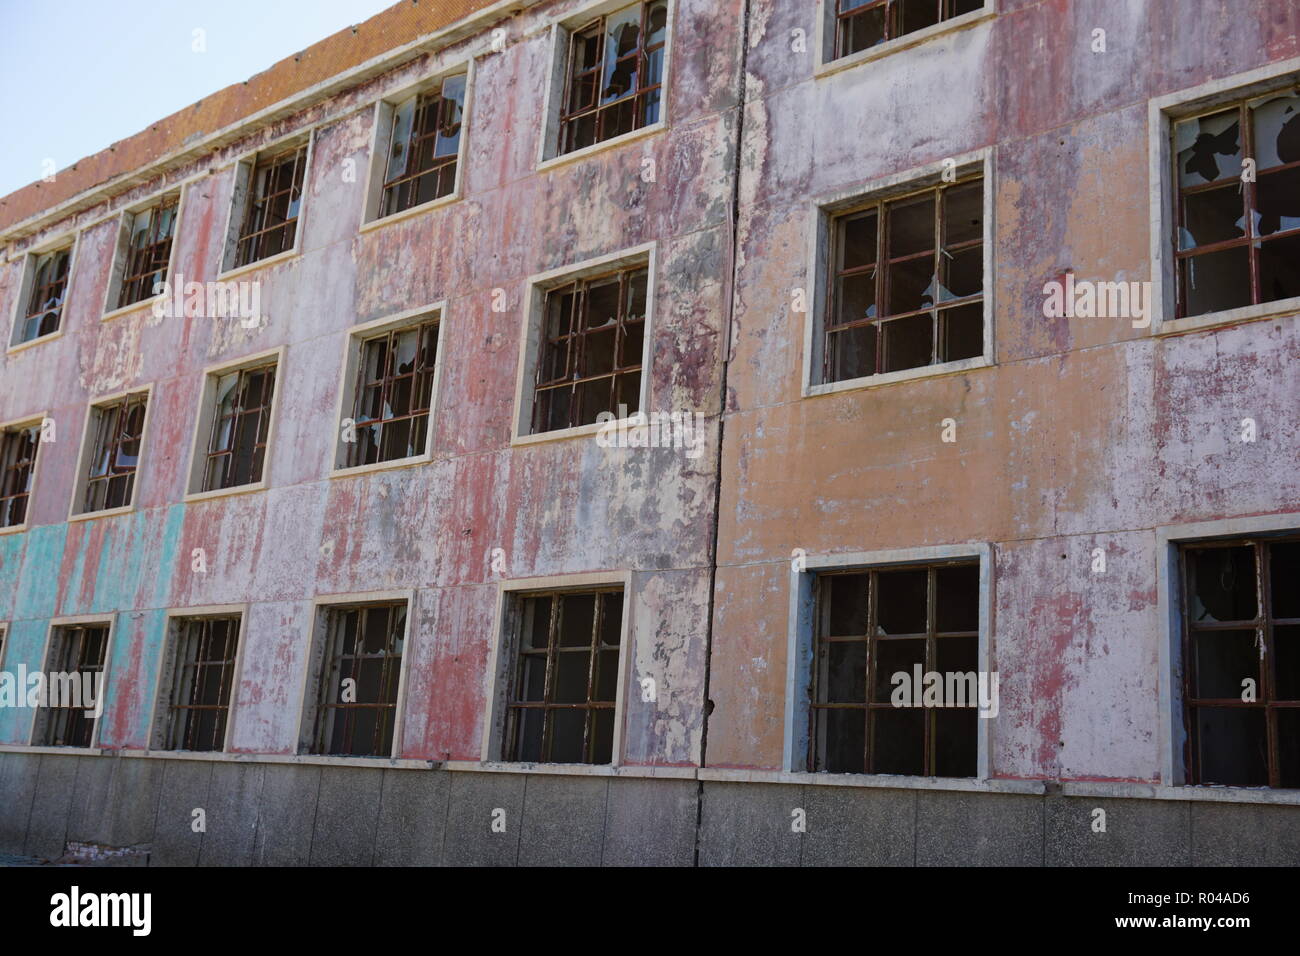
(826, 207)
(309, 689)
(347, 385)
(122, 245)
(531, 335)
(159, 712)
(241, 183)
(68, 240)
(80, 482)
(548, 147)
(1173, 772)
(27, 420)
(800, 639)
(207, 412)
(824, 37)
(73, 621)
(1163, 112)
(502, 658)
(381, 132)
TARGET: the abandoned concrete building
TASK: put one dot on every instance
(670, 432)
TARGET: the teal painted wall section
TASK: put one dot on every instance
(38, 581)
(132, 680)
(11, 564)
(24, 646)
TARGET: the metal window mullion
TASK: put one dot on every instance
(1263, 591)
(869, 728)
(1251, 200)
(935, 279)
(882, 286)
(548, 679)
(589, 713)
(930, 714)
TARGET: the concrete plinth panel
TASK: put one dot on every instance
(412, 818)
(287, 815)
(185, 788)
(346, 814)
(564, 821)
(650, 822)
(18, 773)
(1138, 832)
(747, 824)
(48, 827)
(848, 826)
(234, 808)
(470, 839)
(115, 801)
(978, 829)
(1235, 834)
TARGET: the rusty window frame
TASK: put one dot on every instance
(223, 457)
(148, 251)
(521, 701)
(273, 182)
(820, 708)
(435, 117)
(851, 14)
(940, 250)
(119, 425)
(1250, 239)
(79, 649)
(1265, 625)
(565, 346)
(203, 671)
(645, 97)
(414, 385)
(18, 450)
(336, 720)
(44, 309)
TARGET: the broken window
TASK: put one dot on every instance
(877, 623)
(615, 75)
(18, 448)
(1238, 236)
(360, 670)
(565, 682)
(907, 287)
(590, 354)
(74, 670)
(241, 421)
(861, 24)
(203, 673)
(117, 429)
(393, 393)
(148, 251)
(49, 285)
(1241, 662)
(274, 199)
(424, 147)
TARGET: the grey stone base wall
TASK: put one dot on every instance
(287, 814)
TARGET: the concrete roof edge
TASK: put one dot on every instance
(376, 65)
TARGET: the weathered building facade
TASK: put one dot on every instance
(367, 580)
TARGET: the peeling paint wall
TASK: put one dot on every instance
(554, 508)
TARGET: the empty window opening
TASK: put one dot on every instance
(871, 625)
(425, 146)
(907, 288)
(18, 449)
(393, 394)
(615, 77)
(236, 453)
(270, 220)
(360, 671)
(76, 657)
(49, 285)
(1238, 242)
(148, 251)
(565, 682)
(203, 674)
(861, 24)
(591, 350)
(118, 430)
(1241, 662)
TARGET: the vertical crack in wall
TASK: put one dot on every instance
(738, 141)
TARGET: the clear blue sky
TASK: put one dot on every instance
(78, 75)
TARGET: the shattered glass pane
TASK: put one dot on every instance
(1209, 148)
(1212, 216)
(1277, 130)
